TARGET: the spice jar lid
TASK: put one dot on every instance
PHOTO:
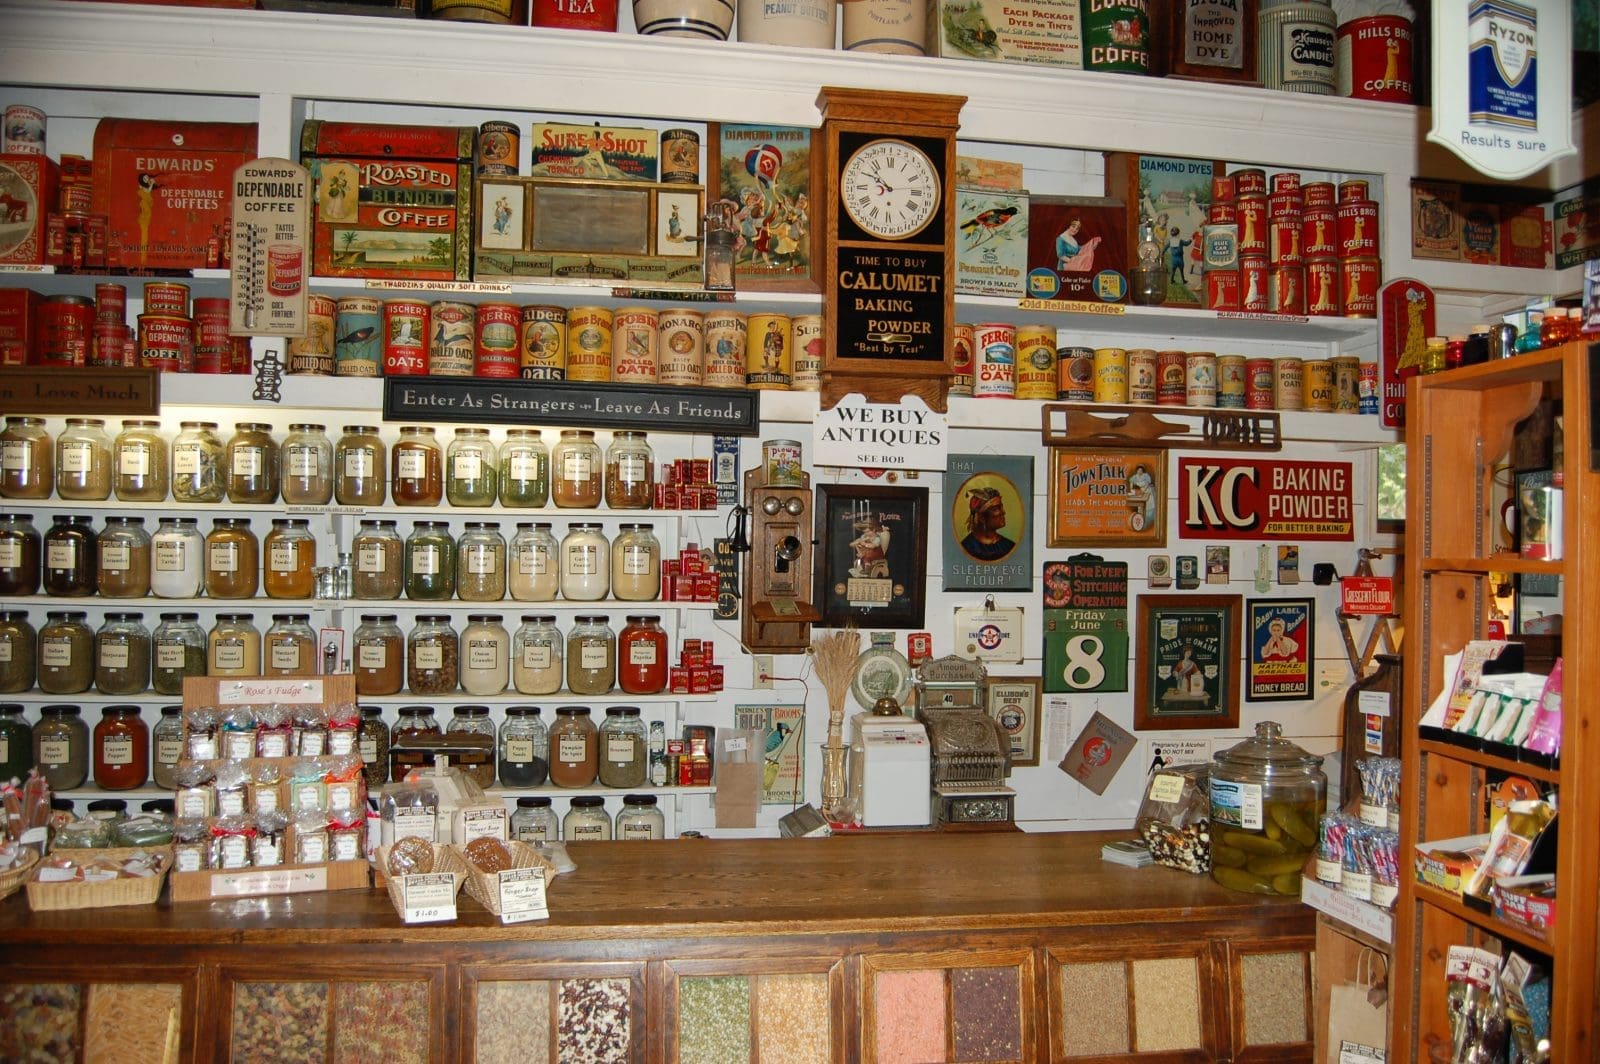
(159, 805)
(65, 615)
(578, 526)
(230, 522)
(292, 618)
(420, 525)
(8, 708)
(588, 801)
(511, 711)
(360, 430)
(372, 711)
(412, 711)
(572, 711)
(639, 799)
(378, 618)
(22, 615)
(171, 711)
(644, 618)
(16, 517)
(197, 424)
(433, 618)
(593, 618)
(120, 711)
(124, 618)
(538, 618)
(485, 618)
(108, 805)
(636, 526)
(472, 711)
(60, 711)
(123, 520)
(237, 618)
(534, 802)
(622, 711)
(179, 616)
(306, 426)
(522, 433)
(77, 519)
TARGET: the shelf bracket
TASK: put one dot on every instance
(1218, 430)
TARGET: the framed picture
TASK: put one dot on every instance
(872, 550)
(502, 215)
(766, 172)
(1108, 496)
(1014, 702)
(1188, 662)
(678, 222)
(988, 531)
(1281, 645)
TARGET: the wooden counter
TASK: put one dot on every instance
(1013, 946)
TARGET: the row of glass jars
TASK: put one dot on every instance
(84, 462)
(587, 821)
(231, 562)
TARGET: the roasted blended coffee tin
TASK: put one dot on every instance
(544, 343)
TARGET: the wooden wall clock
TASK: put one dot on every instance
(885, 167)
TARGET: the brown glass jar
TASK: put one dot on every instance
(380, 653)
(21, 552)
(124, 558)
(71, 556)
(27, 459)
(306, 466)
(360, 464)
(251, 464)
(291, 555)
(574, 748)
(416, 473)
(19, 652)
(233, 559)
(576, 470)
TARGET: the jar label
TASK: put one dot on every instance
(77, 457)
(284, 557)
(372, 655)
(531, 832)
(229, 654)
(411, 465)
(483, 654)
(303, 462)
(359, 462)
(5, 655)
(642, 652)
(14, 456)
(526, 465)
(133, 460)
(54, 751)
(248, 461)
(594, 655)
(346, 846)
(116, 558)
(632, 468)
(169, 751)
(224, 557)
(533, 562)
(582, 559)
(1237, 804)
(170, 556)
(113, 655)
(312, 742)
(267, 797)
(1307, 54)
(467, 467)
(637, 829)
(55, 652)
(587, 831)
(535, 656)
(425, 560)
(186, 459)
(577, 467)
(482, 560)
(170, 655)
(5, 748)
(284, 656)
(428, 657)
(370, 558)
(274, 743)
(117, 750)
(201, 748)
(519, 751)
(10, 553)
(1357, 884)
(61, 555)
(638, 560)
(572, 749)
(188, 858)
(369, 751)
(620, 751)
(416, 821)
(239, 744)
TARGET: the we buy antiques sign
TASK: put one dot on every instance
(1265, 498)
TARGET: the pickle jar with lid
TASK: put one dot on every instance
(66, 653)
(197, 463)
(305, 465)
(432, 652)
(630, 472)
(577, 470)
(291, 555)
(485, 655)
(122, 655)
(178, 559)
(414, 722)
(233, 559)
(140, 453)
(19, 650)
(16, 742)
(533, 573)
(83, 460)
(27, 459)
(636, 564)
(524, 748)
(470, 720)
(471, 474)
(21, 555)
(379, 561)
(177, 650)
(61, 747)
(585, 563)
(372, 739)
(524, 463)
(123, 558)
(640, 818)
(416, 474)
(624, 750)
(379, 655)
(251, 464)
(71, 556)
(233, 646)
(1267, 799)
(534, 821)
(430, 561)
(642, 656)
(591, 656)
(481, 562)
(360, 465)
(290, 646)
(121, 749)
(536, 656)
(574, 748)
(586, 820)
(166, 740)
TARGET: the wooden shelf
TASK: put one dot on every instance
(1489, 761)
(1483, 921)
(1495, 563)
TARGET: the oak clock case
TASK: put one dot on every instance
(777, 616)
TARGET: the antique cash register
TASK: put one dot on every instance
(971, 752)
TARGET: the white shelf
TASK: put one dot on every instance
(272, 605)
(500, 790)
(454, 698)
(1185, 325)
(586, 293)
(442, 512)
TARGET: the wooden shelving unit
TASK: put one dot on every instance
(1459, 425)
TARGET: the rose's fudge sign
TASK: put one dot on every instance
(1234, 498)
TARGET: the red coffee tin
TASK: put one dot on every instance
(1252, 225)
(1285, 182)
(66, 328)
(1253, 295)
(108, 345)
(1251, 181)
(166, 297)
(1358, 229)
(166, 343)
(1317, 193)
(1284, 242)
(1358, 287)
(30, 183)
(1286, 290)
(1352, 190)
(213, 346)
(1319, 231)
(1373, 58)
(498, 349)
(1285, 204)
(1224, 187)
(1322, 287)
(110, 303)
(19, 325)
(1222, 213)
(405, 338)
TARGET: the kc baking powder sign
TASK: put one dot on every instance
(1271, 498)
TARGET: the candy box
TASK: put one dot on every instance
(27, 194)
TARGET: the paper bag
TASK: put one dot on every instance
(1358, 1014)
(738, 777)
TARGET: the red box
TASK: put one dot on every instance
(716, 677)
(705, 587)
(1524, 236)
(28, 190)
(19, 325)
(679, 684)
(1222, 289)
(166, 189)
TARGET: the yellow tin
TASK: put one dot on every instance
(769, 352)
(725, 345)
(1036, 362)
(589, 344)
(1110, 375)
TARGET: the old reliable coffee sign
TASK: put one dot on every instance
(1271, 498)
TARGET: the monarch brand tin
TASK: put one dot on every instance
(808, 345)
(1286, 290)
(1110, 375)
(1251, 181)
(1254, 297)
(544, 343)
(1284, 241)
(1284, 204)
(1252, 225)
(589, 344)
(1223, 213)
(634, 339)
(1353, 190)
(1258, 384)
(357, 337)
(1296, 46)
(1170, 386)
(405, 338)
(1036, 362)
(1224, 187)
(1322, 287)
(1346, 384)
(682, 348)
(1319, 231)
(452, 339)
(1367, 398)
(1200, 379)
(1288, 383)
(963, 348)
(1358, 287)
(769, 352)
(995, 353)
(1358, 228)
(725, 344)
(781, 460)
(1222, 289)
(1116, 36)
(66, 329)
(166, 297)
(1317, 193)
(1142, 374)
(1319, 386)
(166, 343)
(23, 131)
(213, 345)
(497, 150)
(498, 350)
(680, 157)
(1231, 374)
(312, 354)
(110, 303)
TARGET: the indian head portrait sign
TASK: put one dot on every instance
(988, 536)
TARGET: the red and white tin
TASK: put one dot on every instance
(1251, 181)
(1222, 289)
(110, 303)
(1353, 190)
(166, 343)
(1223, 213)
(1252, 225)
(213, 346)
(312, 354)
(23, 131)
(1286, 290)
(1373, 58)
(1358, 287)
(1317, 193)
(1253, 295)
(166, 297)
(1259, 381)
(405, 338)
(66, 330)
(1319, 231)
(1285, 204)
(963, 349)
(110, 348)
(1284, 182)
(1322, 287)
(635, 332)
(995, 356)
(1284, 241)
(497, 351)
(1358, 229)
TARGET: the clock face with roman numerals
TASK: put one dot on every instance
(890, 188)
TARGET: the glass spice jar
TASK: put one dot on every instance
(470, 720)
(533, 573)
(574, 748)
(178, 559)
(586, 820)
(306, 465)
(623, 749)
(21, 555)
(233, 647)
(591, 656)
(122, 655)
(19, 649)
(123, 553)
(432, 656)
(430, 561)
(416, 473)
(16, 743)
(534, 821)
(524, 463)
(141, 462)
(524, 748)
(379, 655)
(233, 559)
(481, 562)
(630, 472)
(61, 747)
(640, 818)
(576, 470)
(83, 460)
(359, 467)
(291, 555)
(485, 655)
(166, 739)
(71, 556)
(636, 564)
(585, 563)
(178, 651)
(121, 749)
(642, 656)
(27, 459)
(536, 656)
(414, 722)
(471, 475)
(252, 464)
(66, 653)
(197, 463)
(290, 646)
(379, 561)
(372, 740)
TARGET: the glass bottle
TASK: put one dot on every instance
(432, 656)
(640, 818)
(359, 467)
(642, 656)
(306, 465)
(141, 462)
(19, 652)
(481, 562)
(233, 646)
(533, 573)
(122, 655)
(471, 476)
(1528, 339)
(576, 470)
(586, 820)
(372, 740)
(197, 463)
(1553, 327)
(574, 748)
(123, 553)
(252, 464)
(470, 720)
(414, 722)
(1435, 355)
(61, 747)
(585, 563)
(21, 555)
(624, 759)
(523, 748)
(291, 556)
(233, 559)
(290, 646)
(416, 473)
(178, 650)
(178, 559)
(630, 471)
(524, 462)
(66, 653)
(485, 655)
(534, 821)
(1476, 350)
(1455, 348)
(536, 656)
(166, 739)
(379, 655)
(121, 749)
(636, 564)
(27, 459)
(379, 561)
(430, 561)
(83, 460)
(1147, 277)
(16, 743)
(71, 556)
(591, 656)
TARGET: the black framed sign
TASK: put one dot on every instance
(1188, 662)
(871, 555)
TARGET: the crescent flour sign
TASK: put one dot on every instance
(1265, 498)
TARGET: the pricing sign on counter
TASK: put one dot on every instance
(430, 897)
(522, 895)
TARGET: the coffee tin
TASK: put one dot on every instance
(1322, 287)
(110, 303)
(963, 347)
(1170, 383)
(808, 344)
(1286, 290)
(1259, 387)
(66, 330)
(544, 343)
(1036, 362)
(1354, 189)
(769, 352)
(23, 131)
(1075, 374)
(1358, 229)
(1346, 384)
(498, 144)
(452, 343)
(1252, 225)
(995, 351)
(498, 348)
(1253, 295)
(357, 337)
(680, 157)
(1231, 377)
(1110, 375)
(1200, 379)
(1284, 241)
(1358, 287)
(681, 350)
(1223, 213)
(1317, 193)
(634, 338)
(1288, 383)
(166, 297)
(1284, 204)
(405, 338)
(1319, 231)
(1143, 369)
(726, 334)
(213, 345)
(312, 354)
(110, 346)
(1284, 182)
(1116, 36)
(1318, 385)
(589, 344)
(166, 343)
(1250, 181)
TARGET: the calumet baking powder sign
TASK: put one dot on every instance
(1265, 498)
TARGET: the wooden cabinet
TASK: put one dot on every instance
(1460, 425)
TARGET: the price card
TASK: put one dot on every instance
(522, 895)
(430, 897)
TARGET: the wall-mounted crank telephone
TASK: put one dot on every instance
(777, 615)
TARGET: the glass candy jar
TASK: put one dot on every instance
(1267, 799)
(471, 474)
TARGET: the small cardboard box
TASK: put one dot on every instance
(1436, 220)
(1525, 236)
(28, 185)
(1480, 233)
(1077, 249)
(1528, 901)
(1448, 864)
(992, 242)
(1044, 32)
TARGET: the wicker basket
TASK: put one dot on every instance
(484, 887)
(445, 859)
(124, 890)
(11, 882)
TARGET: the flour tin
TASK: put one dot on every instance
(1075, 374)
(1288, 383)
(499, 143)
(1110, 375)
(1317, 193)
(544, 343)
(1374, 58)
(1252, 225)
(498, 348)
(635, 334)
(589, 344)
(357, 337)
(1143, 365)
(1231, 373)
(726, 334)
(1259, 388)
(963, 346)
(808, 344)
(1200, 379)
(166, 343)
(1254, 297)
(1358, 287)
(995, 355)
(1319, 394)
(681, 352)
(1286, 289)
(1346, 384)
(1322, 287)
(1116, 36)
(453, 338)
(1319, 231)
(312, 354)
(1036, 362)
(769, 352)
(1296, 46)
(1357, 228)
(405, 338)
(1170, 384)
